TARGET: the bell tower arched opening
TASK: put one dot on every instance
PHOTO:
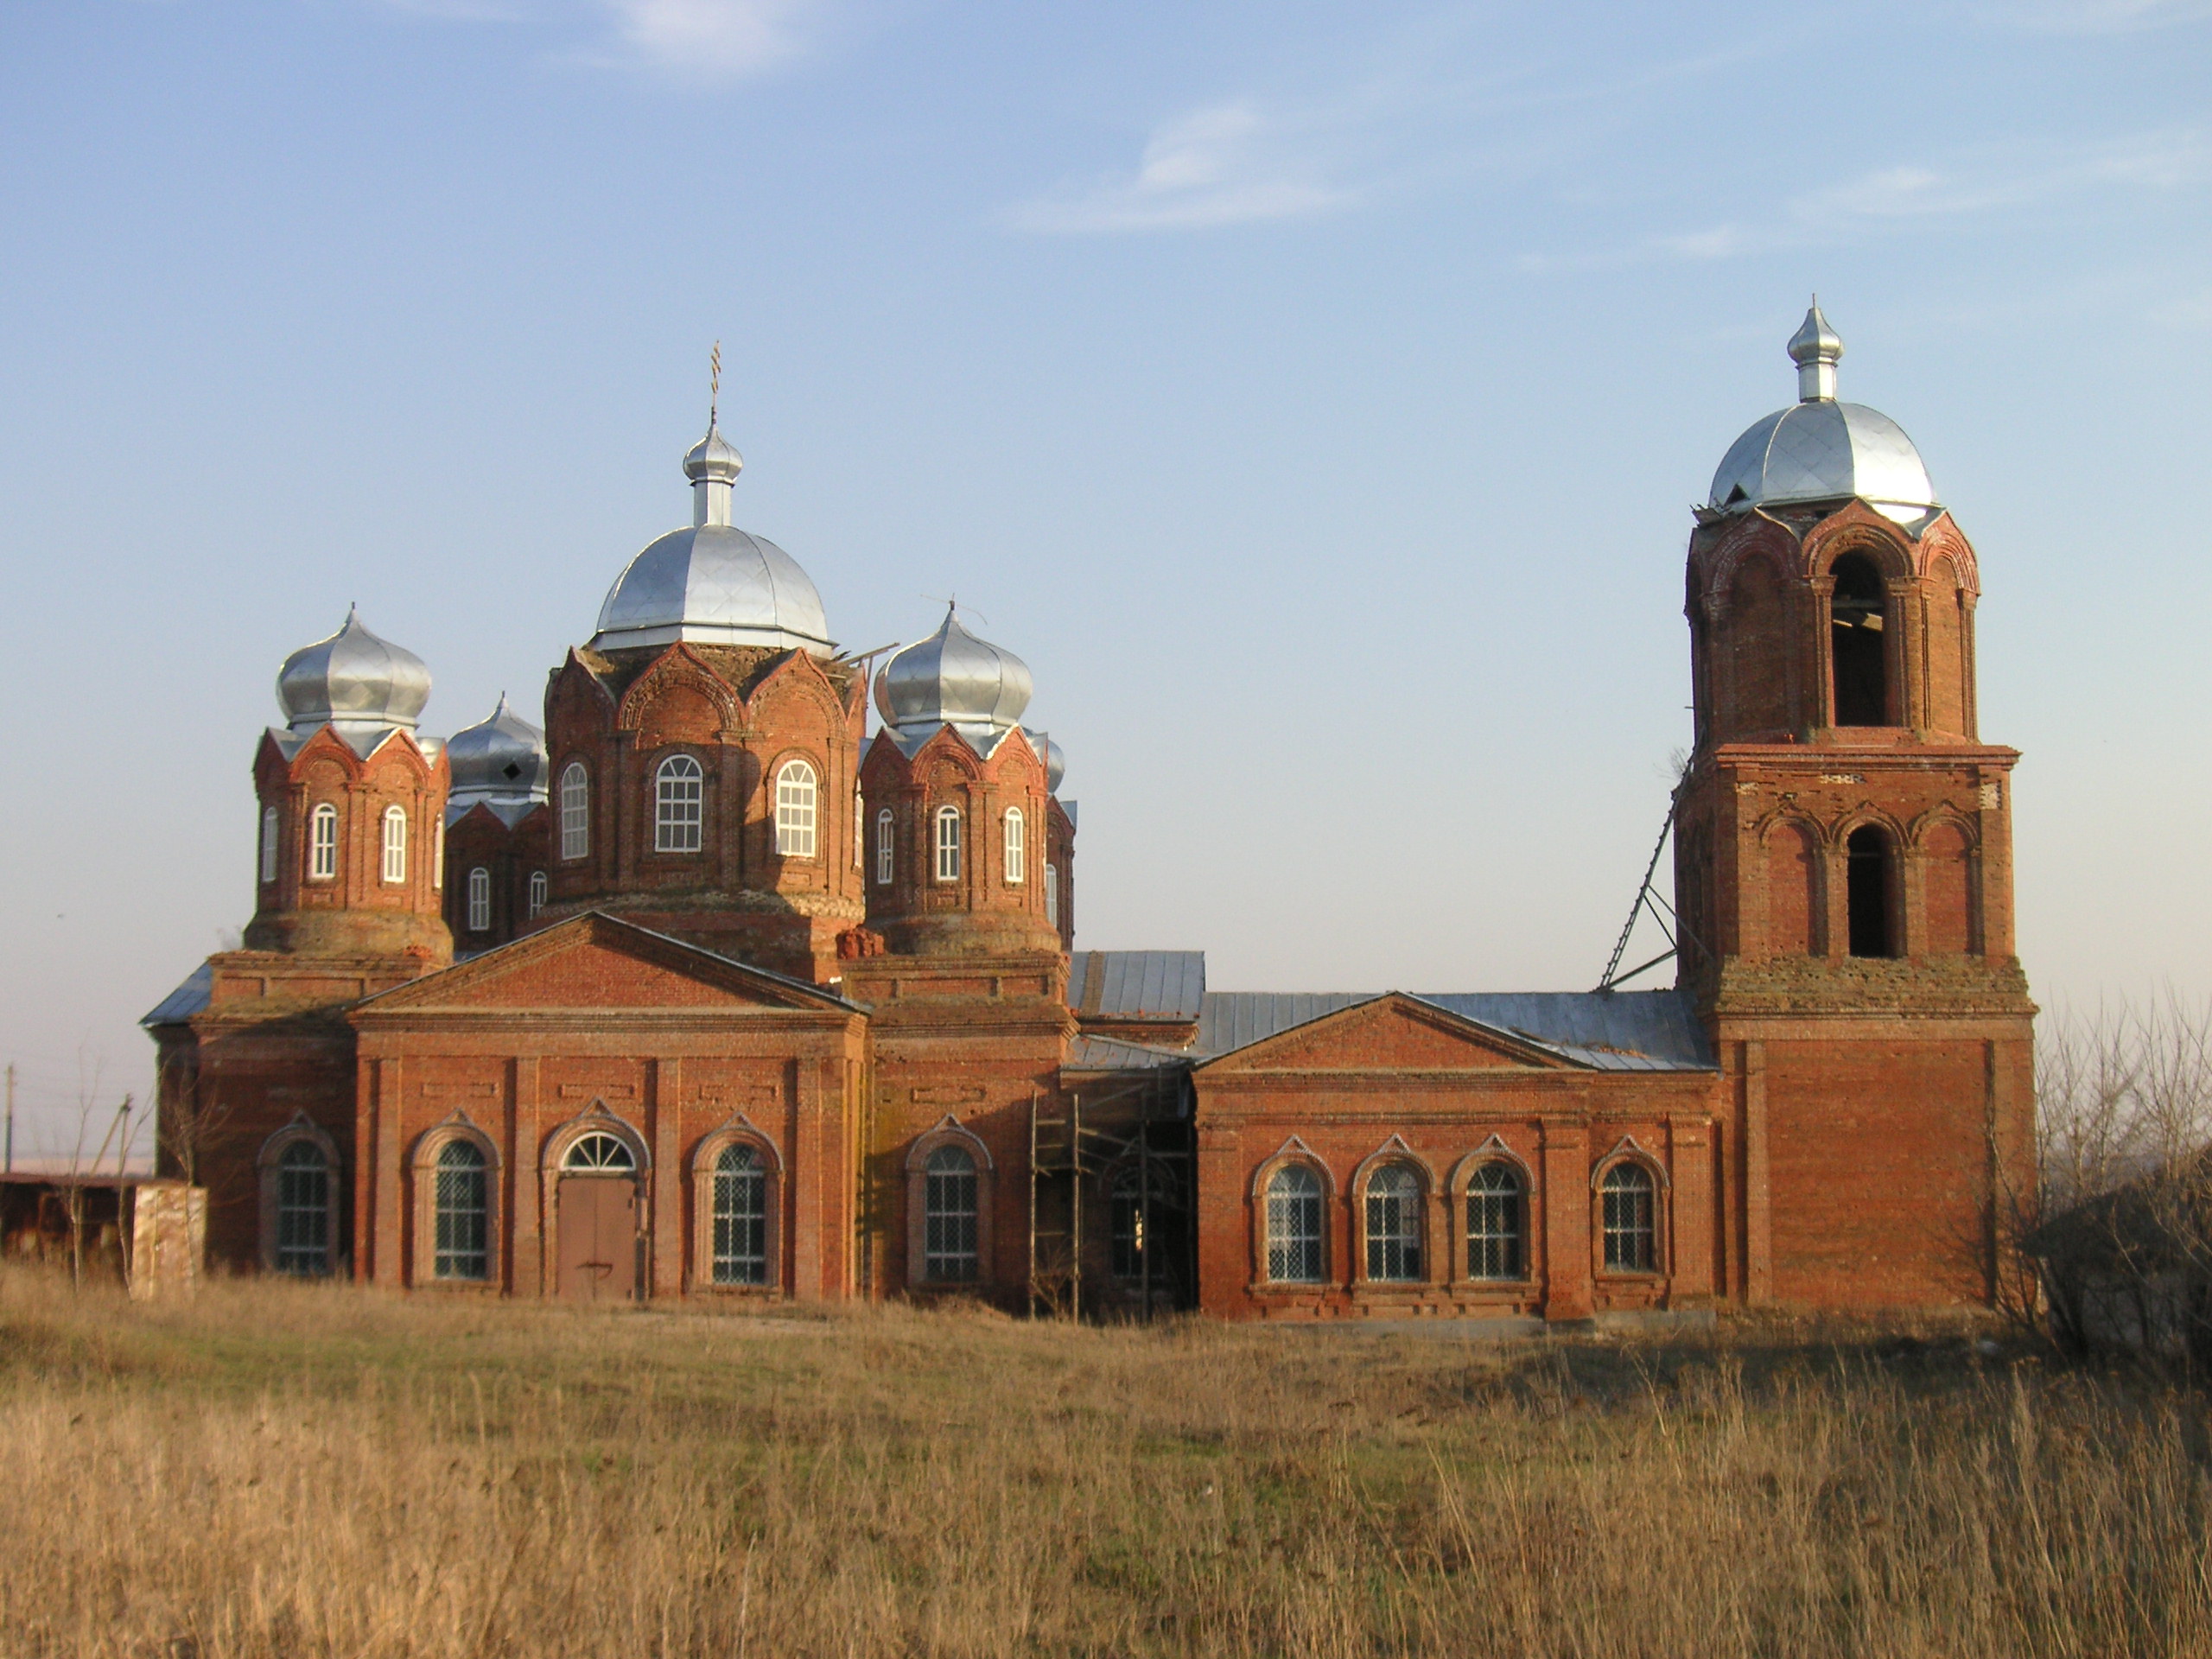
(1869, 867)
(1858, 659)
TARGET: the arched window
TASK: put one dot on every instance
(323, 842)
(1498, 1223)
(395, 843)
(741, 1218)
(795, 796)
(1052, 895)
(679, 805)
(860, 829)
(1125, 1203)
(538, 892)
(1393, 1224)
(303, 1209)
(1630, 1223)
(1857, 655)
(1867, 888)
(576, 810)
(948, 1217)
(463, 1212)
(479, 900)
(885, 839)
(1295, 1253)
(948, 843)
(438, 855)
(269, 830)
(1017, 847)
(597, 1153)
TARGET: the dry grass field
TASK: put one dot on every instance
(303, 1471)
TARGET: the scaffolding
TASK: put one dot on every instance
(1067, 1155)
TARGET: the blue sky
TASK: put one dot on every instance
(1312, 394)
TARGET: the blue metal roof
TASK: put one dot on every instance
(1608, 1031)
(188, 998)
(1138, 984)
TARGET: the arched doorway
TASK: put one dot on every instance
(598, 1223)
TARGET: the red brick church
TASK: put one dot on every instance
(720, 988)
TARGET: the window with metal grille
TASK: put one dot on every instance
(395, 843)
(537, 890)
(679, 805)
(1017, 847)
(741, 1218)
(1496, 1223)
(884, 839)
(463, 1214)
(1631, 1241)
(303, 1209)
(1052, 895)
(948, 843)
(576, 810)
(795, 800)
(1294, 1252)
(323, 842)
(479, 900)
(1393, 1224)
(268, 829)
(948, 1217)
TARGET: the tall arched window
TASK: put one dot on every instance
(1052, 895)
(538, 892)
(303, 1209)
(1630, 1219)
(576, 810)
(1498, 1223)
(948, 843)
(794, 802)
(395, 843)
(884, 838)
(1867, 888)
(860, 829)
(1294, 1243)
(679, 805)
(1393, 1224)
(463, 1214)
(479, 900)
(268, 829)
(741, 1218)
(1125, 1202)
(949, 1216)
(323, 842)
(1857, 655)
(438, 854)
(1017, 847)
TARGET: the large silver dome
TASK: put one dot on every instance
(713, 582)
(354, 681)
(1820, 449)
(500, 762)
(952, 678)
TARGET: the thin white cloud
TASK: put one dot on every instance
(714, 39)
(2095, 16)
(1226, 164)
(1919, 194)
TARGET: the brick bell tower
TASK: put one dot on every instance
(1844, 870)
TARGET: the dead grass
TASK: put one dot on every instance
(296, 1471)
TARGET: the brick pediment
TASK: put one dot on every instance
(601, 963)
(1394, 1032)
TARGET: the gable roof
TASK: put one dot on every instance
(610, 932)
(1451, 1040)
(1606, 1030)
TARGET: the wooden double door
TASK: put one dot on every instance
(598, 1237)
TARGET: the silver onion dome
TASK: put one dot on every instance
(713, 583)
(952, 678)
(1820, 449)
(500, 762)
(353, 681)
(1055, 758)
